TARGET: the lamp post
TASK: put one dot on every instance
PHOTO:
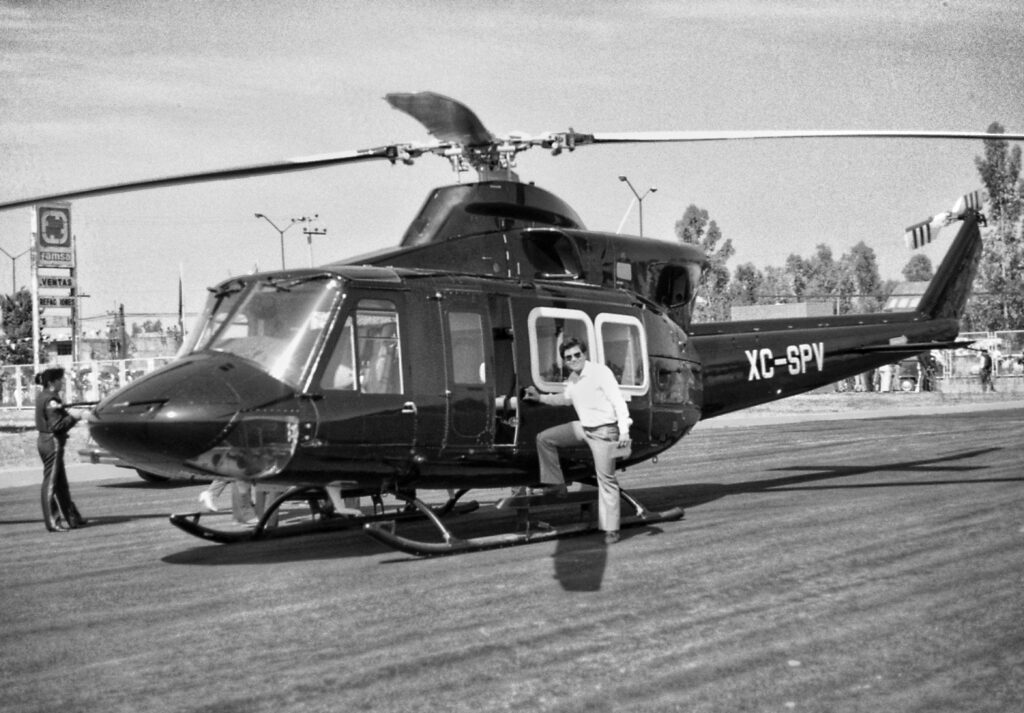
(639, 199)
(282, 231)
(13, 258)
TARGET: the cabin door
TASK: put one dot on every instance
(366, 408)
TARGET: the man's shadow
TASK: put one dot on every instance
(580, 562)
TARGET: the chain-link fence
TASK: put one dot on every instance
(1005, 348)
(87, 381)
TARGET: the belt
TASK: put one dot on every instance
(591, 429)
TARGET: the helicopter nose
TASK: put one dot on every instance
(199, 416)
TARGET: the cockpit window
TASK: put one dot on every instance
(277, 323)
(676, 285)
(367, 356)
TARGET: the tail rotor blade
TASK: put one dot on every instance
(920, 234)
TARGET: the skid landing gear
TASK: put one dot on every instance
(318, 516)
(527, 530)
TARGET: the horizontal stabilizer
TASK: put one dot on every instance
(911, 347)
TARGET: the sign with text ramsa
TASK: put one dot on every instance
(53, 236)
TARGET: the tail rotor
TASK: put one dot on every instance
(921, 234)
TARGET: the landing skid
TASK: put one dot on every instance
(528, 531)
(319, 518)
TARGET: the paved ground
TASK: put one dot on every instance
(835, 565)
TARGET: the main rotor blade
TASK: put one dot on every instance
(683, 136)
(444, 117)
(285, 166)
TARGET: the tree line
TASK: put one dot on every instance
(853, 282)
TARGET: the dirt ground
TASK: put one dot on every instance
(825, 565)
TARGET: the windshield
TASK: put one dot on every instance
(276, 323)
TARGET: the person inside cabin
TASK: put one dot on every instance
(241, 499)
(603, 425)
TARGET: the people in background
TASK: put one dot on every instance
(985, 371)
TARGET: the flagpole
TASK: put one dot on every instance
(181, 303)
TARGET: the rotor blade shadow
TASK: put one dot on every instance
(696, 494)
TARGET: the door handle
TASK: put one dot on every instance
(409, 407)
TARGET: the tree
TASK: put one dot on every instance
(822, 274)
(861, 267)
(998, 300)
(16, 347)
(775, 289)
(796, 272)
(696, 228)
(746, 285)
(918, 269)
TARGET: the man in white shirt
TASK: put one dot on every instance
(603, 425)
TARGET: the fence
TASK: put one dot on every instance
(1005, 348)
(85, 381)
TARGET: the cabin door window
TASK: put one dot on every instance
(470, 408)
(363, 382)
(623, 349)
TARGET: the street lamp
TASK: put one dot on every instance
(13, 258)
(282, 231)
(639, 199)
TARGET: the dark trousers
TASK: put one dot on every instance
(59, 512)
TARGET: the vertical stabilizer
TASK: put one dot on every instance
(948, 291)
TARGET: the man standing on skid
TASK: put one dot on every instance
(603, 425)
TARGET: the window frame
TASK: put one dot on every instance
(627, 320)
(543, 312)
(356, 345)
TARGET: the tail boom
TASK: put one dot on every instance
(748, 363)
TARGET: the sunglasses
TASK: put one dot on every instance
(574, 356)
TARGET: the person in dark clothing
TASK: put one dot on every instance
(985, 371)
(53, 421)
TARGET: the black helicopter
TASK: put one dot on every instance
(401, 371)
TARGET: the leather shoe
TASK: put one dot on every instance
(611, 537)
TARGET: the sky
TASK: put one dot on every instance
(105, 91)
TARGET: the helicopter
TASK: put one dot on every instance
(403, 370)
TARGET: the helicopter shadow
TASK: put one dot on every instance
(144, 485)
(281, 550)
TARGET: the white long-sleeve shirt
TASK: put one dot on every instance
(595, 395)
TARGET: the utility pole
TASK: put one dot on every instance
(282, 231)
(309, 233)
